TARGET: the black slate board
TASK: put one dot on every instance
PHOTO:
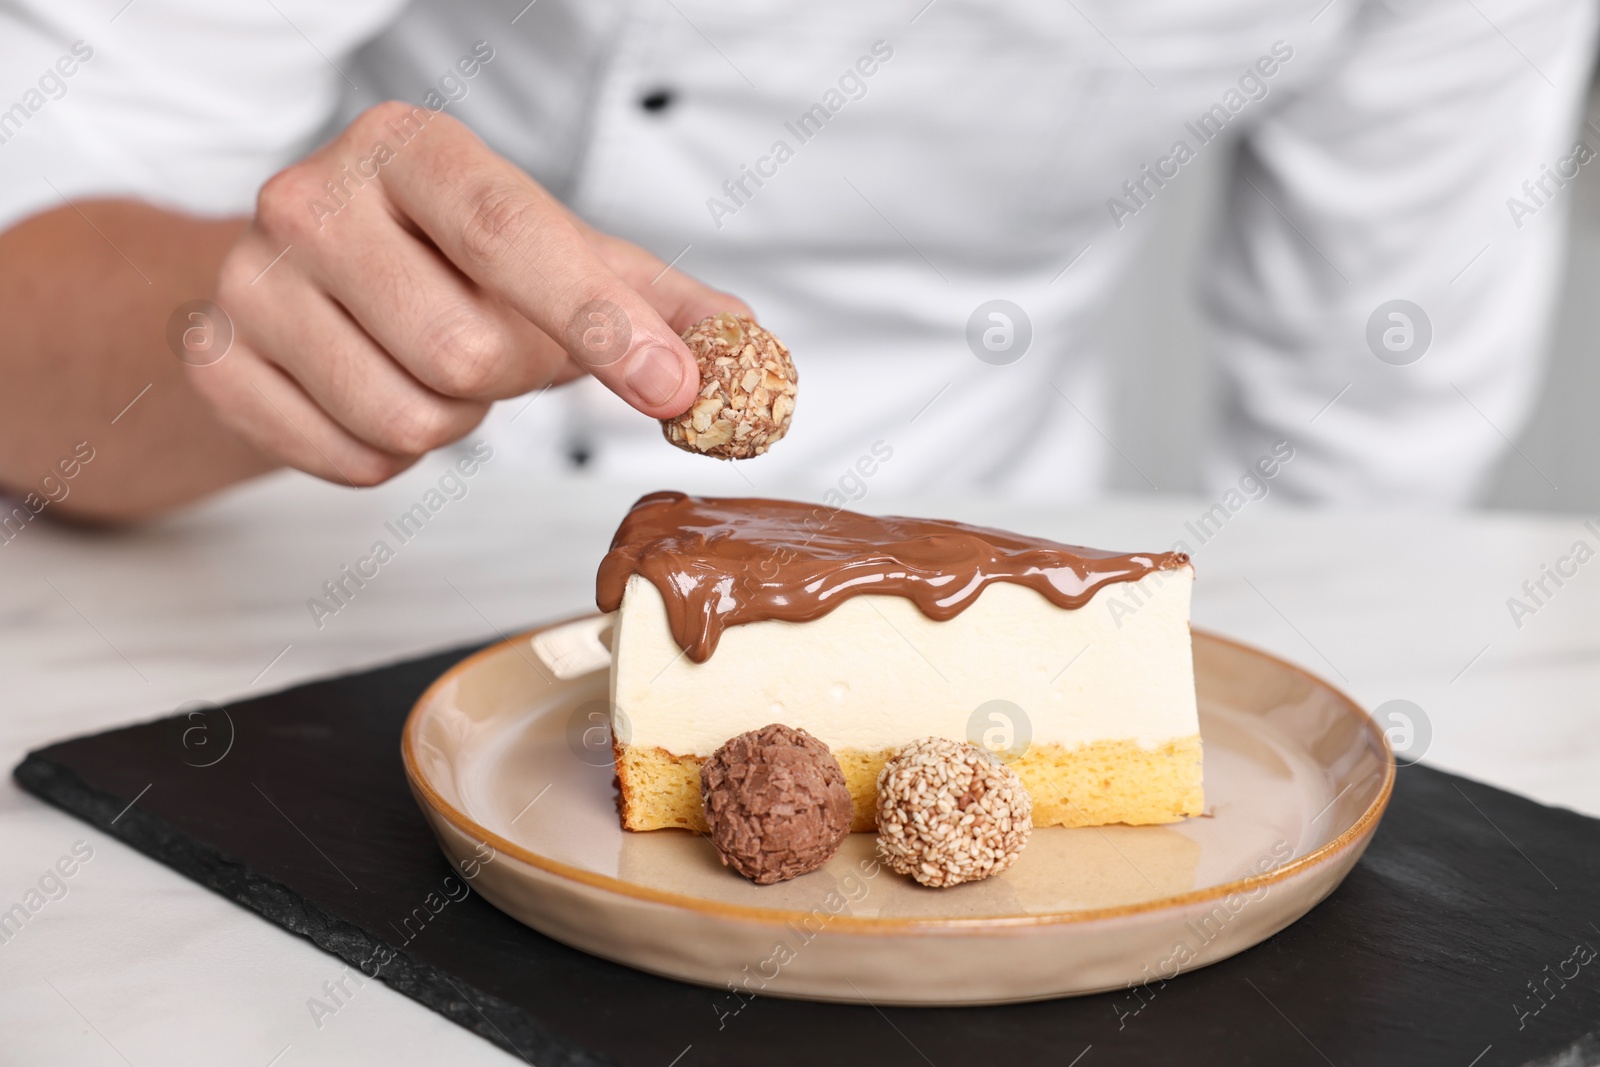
(1468, 898)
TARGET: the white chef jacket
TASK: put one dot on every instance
(1010, 151)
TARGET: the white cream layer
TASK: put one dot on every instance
(875, 672)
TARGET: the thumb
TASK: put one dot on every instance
(622, 341)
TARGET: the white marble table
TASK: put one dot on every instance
(137, 965)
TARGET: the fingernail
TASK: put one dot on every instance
(655, 375)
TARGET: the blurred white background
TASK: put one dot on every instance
(1156, 334)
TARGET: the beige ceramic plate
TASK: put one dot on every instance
(513, 771)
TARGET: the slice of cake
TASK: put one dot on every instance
(1072, 664)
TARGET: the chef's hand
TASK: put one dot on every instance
(400, 279)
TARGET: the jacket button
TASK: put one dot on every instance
(656, 100)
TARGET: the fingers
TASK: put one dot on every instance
(512, 239)
(453, 338)
(350, 378)
(403, 277)
(678, 298)
(306, 385)
(275, 416)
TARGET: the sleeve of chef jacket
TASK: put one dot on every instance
(183, 103)
(1422, 162)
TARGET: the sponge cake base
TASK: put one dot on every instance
(1089, 785)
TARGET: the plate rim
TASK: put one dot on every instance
(1353, 836)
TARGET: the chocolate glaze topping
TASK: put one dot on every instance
(721, 562)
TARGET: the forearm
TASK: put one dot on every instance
(85, 295)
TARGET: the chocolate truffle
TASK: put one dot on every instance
(949, 812)
(776, 802)
(748, 386)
